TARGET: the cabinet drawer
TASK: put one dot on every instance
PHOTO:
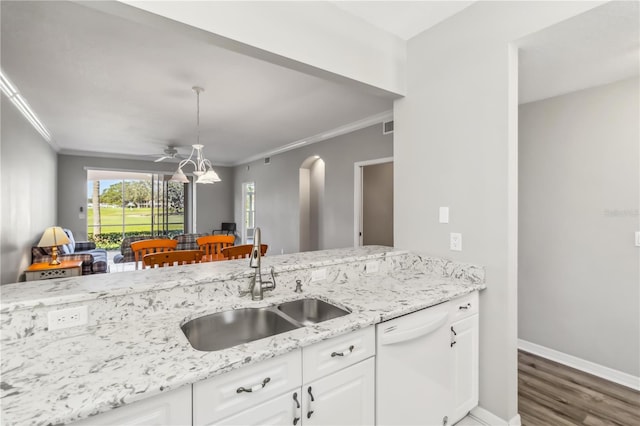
(464, 306)
(335, 354)
(218, 397)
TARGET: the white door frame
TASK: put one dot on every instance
(243, 226)
(357, 196)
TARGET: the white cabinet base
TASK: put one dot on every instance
(343, 398)
(465, 367)
(168, 408)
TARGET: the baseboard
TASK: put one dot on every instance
(606, 373)
(488, 418)
(515, 421)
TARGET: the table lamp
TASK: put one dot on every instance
(53, 237)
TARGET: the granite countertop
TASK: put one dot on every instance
(54, 377)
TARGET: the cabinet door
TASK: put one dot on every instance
(238, 390)
(282, 410)
(343, 398)
(465, 366)
(168, 408)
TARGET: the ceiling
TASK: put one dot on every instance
(106, 85)
(405, 19)
(595, 48)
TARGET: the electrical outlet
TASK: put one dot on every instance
(318, 274)
(455, 241)
(65, 318)
(371, 267)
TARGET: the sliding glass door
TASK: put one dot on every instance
(127, 203)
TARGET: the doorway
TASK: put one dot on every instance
(311, 203)
(373, 202)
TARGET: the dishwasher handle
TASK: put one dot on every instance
(413, 333)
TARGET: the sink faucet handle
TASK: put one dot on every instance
(273, 278)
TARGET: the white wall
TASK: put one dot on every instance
(277, 189)
(28, 194)
(314, 37)
(214, 202)
(455, 146)
(579, 271)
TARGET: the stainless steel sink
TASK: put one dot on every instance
(311, 311)
(230, 328)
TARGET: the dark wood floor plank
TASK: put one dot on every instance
(578, 377)
(529, 391)
(540, 416)
(552, 394)
(587, 400)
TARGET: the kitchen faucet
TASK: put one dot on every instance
(257, 285)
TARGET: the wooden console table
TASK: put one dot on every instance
(44, 271)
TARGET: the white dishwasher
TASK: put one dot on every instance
(413, 369)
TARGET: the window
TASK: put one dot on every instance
(130, 203)
(248, 211)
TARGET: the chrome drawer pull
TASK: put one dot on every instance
(348, 351)
(254, 387)
(467, 306)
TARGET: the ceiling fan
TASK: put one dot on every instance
(168, 153)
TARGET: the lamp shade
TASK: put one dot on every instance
(179, 176)
(209, 177)
(53, 236)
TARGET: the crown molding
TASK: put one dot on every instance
(118, 156)
(342, 130)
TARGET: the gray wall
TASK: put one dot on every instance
(377, 204)
(579, 271)
(454, 145)
(214, 202)
(277, 188)
(28, 170)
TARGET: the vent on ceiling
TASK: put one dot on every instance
(387, 127)
(267, 160)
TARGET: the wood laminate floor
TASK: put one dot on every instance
(552, 394)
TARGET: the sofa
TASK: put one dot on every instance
(94, 260)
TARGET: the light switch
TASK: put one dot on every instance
(444, 214)
(455, 241)
(637, 239)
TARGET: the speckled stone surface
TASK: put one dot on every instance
(133, 347)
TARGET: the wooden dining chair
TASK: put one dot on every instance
(172, 258)
(212, 246)
(239, 252)
(142, 247)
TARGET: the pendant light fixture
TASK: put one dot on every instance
(203, 167)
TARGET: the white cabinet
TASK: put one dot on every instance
(343, 398)
(168, 408)
(239, 390)
(282, 410)
(465, 349)
(339, 387)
